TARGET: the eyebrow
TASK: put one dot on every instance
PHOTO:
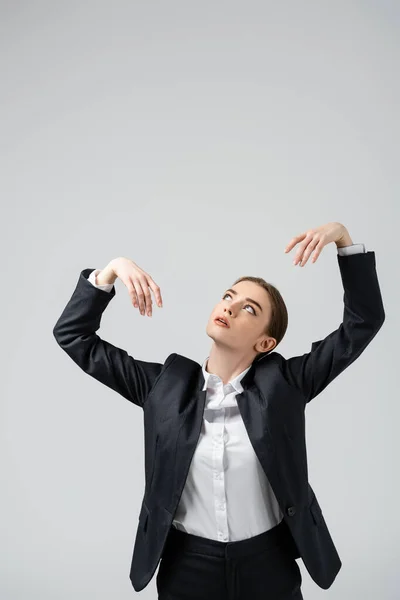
(248, 299)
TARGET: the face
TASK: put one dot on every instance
(246, 306)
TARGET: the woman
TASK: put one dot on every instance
(230, 538)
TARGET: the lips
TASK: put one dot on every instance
(216, 320)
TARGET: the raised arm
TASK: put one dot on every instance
(363, 316)
(75, 333)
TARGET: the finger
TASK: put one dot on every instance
(132, 292)
(318, 250)
(140, 295)
(148, 302)
(294, 241)
(156, 290)
(302, 247)
(308, 251)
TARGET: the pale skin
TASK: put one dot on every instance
(233, 348)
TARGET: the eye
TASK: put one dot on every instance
(227, 294)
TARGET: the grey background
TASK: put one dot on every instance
(196, 138)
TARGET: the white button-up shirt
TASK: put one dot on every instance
(227, 495)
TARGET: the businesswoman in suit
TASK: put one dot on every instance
(228, 540)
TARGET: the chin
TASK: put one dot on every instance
(208, 332)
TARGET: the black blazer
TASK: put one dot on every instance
(272, 405)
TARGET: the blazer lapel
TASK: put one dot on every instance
(254, 412)
(188, 436)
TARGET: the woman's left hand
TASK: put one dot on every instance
(314, 240)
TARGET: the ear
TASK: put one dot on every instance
(268, 344)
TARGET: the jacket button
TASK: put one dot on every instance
(291, 511)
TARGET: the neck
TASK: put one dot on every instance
(225, 364)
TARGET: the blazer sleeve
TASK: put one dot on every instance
(363, 316)
(75, 333)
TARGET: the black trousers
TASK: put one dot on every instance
(262, 567)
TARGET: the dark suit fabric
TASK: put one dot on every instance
(276, 393)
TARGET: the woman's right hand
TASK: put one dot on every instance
(138, 283)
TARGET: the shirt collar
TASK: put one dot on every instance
(210, 379)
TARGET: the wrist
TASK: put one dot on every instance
(106, 275)
(344, 240)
